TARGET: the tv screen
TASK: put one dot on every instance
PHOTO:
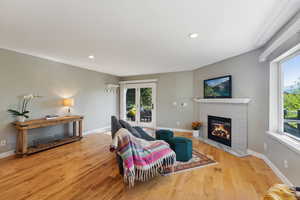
(219, 87)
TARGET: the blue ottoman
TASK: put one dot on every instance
(165, 135)
(183, 148)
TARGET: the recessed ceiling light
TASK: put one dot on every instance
(91, 57)
(193, 35)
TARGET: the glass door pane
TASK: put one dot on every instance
(131, 105)
(146, 105)
(137, 105)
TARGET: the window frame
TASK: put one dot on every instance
(277, 63)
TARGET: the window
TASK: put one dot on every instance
(290, 75)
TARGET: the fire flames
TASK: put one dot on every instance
(220, 131)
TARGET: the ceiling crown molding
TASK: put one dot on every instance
(289, 30)
(57, 60)
(279, 16)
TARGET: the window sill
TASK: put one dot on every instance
(292, 144)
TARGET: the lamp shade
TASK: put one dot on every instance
(69, 102)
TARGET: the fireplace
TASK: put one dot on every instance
(219, 129)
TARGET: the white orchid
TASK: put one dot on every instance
(26, 100)
(30, 96)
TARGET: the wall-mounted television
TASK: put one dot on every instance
(219, 87)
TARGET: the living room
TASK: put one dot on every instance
(209, 90)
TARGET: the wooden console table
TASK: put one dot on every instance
(22, 148)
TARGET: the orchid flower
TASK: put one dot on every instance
(26, 100)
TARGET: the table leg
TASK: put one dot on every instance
(19, 143)
(23, 137)
(80, 128)
(74, 128)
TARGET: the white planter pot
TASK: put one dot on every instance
(195, 133)
(21, 118)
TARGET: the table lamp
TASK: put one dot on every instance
(68, 102)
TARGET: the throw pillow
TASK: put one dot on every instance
(115, 126)
(144, 134)
(130, 128)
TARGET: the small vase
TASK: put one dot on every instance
(21, 118)
(195, 133)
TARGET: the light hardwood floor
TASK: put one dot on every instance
(86, 170)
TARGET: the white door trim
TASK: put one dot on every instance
(154, 102)
(137, 86)
(139, 81)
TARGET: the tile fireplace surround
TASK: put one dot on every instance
(237, 110)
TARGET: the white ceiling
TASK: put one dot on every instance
(140, 36)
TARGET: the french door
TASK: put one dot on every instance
(138, 104)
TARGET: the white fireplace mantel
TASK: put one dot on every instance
(228, 101)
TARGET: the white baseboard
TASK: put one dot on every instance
(256, 154)
(6, 154)
(175, 129)
(280, 175)
(98, 130)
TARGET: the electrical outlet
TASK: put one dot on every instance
(3, 142)
(286, 164)
(265, 146)
(178, 123)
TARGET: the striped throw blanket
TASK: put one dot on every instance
(142, 159)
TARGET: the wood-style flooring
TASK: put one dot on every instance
(86, 170)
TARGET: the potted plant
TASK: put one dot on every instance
(196, 126)
(132, 112)
(22, 114)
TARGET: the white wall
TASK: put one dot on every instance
(277, 152)
(176, 86)
(22, 74)
(249, 79)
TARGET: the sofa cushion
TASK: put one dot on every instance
(126, 125)
(144, 134)
(115, 126)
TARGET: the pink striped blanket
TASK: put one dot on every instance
(142, 159)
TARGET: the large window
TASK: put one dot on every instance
(290, 69)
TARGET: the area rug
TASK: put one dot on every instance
(198, 161)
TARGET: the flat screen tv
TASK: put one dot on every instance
(219, 87)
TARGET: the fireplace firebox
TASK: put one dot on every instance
(219, 129)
